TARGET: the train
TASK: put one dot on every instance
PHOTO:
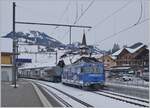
(86, 72)
(52, 74)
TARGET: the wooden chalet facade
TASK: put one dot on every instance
(134, 58)
(138, 58)
(108, 60)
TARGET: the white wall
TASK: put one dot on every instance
(6, 73)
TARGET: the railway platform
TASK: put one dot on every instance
(26, 94)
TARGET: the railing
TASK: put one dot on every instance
(137, 82)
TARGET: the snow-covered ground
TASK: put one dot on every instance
(95, 100)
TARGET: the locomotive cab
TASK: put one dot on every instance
(84, 74)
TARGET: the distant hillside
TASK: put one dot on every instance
(40, 38)
(36, 37)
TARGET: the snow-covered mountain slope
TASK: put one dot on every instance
(36, 37)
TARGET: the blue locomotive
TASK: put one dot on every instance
(85, 72)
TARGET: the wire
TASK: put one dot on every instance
(123, 30)
(76, 17)
(84, 11)
(62, 15)
(65, 10)
(112, 14)
(140, 17)
(66, 33)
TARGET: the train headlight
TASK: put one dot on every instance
(86, 84)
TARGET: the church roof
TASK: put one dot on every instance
(87, 60)
(84, 40)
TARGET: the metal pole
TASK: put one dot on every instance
(56, 57)
(65, 25)
(104, 65)
(70, 36)
(14, 46)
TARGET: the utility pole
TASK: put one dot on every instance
(104, 64)
(14, 47)
(70, 36)
(56, 56)
(63, 25)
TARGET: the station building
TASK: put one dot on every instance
(6, 52)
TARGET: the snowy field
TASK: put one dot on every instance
(91, 98)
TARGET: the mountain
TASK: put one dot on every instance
(36, 37)
(40, 38)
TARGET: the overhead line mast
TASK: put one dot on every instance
(15, 49)
(64, 25)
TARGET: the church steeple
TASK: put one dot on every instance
(84, 40)
(84, 48)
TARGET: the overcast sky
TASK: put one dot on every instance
(66, 12)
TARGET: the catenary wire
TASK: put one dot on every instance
(91, 3)
(109, 16)
(123, 30)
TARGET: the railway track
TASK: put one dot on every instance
(125, 96)
(116, 96)
(131, 100)
(59, 98)
(63, 101)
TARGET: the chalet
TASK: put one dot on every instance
(109, 61)
(135, 58)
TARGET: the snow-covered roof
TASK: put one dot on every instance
(36, 65)
(134, 50)
(121, 68)
(6, 45)
(28, 48)
(97, 55)
(117, 52)
(113, 57)
(87, 60)
(131, 50)
(71, 58)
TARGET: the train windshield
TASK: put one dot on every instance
(93, 69)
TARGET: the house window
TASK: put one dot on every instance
(129, 57)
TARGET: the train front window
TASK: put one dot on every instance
(95, 70)
(90, 69)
